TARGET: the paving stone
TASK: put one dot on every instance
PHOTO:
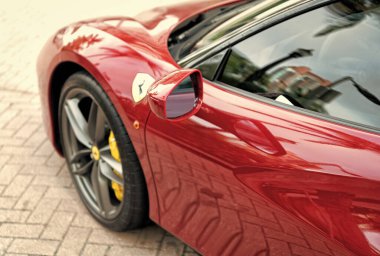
(171, 246)
(7, 202)
(130, 251)
(58, 225)
(26, 131)
(64, 172)
(5, 134)
(8, 172)
(16, 123)
(4, 106)
(74, 241)
(4, 243)
(33, 246)
(102, 236)
(20, 230)
(3, 159)
(13, 215)
(94, 250)
(30, 198)
(55, 160)
(18, 185)
(36, 119)
(17, 97)
(61, 193)
(2, 188)
(31, 105)
(15, 150)
(51, 181)
(86, 221)
(43, 211)
(28, 113)
(46, 149)
(150, 237)
(71, 205)
(6, 141)
(7, 116)
(40, 170)
(27, 160)
(36, 139)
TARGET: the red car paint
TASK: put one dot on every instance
(241, 177)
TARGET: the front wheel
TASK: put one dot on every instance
(100, 155)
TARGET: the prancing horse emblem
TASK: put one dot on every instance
(140, 86)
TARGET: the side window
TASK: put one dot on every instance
(326, 60)
(209, 67)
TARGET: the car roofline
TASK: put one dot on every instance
(269, 18)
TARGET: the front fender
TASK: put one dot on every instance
(114, 63)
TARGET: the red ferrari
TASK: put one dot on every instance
(241, 127)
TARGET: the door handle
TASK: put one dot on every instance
(255, 134)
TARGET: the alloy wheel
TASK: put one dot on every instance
(95, 170)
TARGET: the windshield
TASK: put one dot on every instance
(187, 36)
(206, 28)
(248, 15)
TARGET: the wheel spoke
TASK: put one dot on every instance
(115, 165)
(96, 124)
(101, 190)
(107, 171)
(83, 169)
(79, 154)
(77, 121)
(105, 149)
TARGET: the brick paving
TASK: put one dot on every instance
(40, 211)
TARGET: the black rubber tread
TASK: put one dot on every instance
(134, 212)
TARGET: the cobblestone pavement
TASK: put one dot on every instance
(40, 211)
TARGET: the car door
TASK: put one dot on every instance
(283, 157)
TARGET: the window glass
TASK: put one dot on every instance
(326, 60)
(208, 68)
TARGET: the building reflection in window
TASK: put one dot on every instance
(304, 60)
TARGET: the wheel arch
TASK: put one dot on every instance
(66, 65)
(113, 61)
(58, 78)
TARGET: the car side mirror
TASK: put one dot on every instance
(177, 96)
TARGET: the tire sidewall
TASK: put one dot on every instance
(124, 219)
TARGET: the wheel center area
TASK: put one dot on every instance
(95, 153)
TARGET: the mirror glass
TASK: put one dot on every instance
(182, 99)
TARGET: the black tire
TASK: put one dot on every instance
(132, 211)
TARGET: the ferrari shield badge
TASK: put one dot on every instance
(140, 86)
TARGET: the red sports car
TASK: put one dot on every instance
(242, 127)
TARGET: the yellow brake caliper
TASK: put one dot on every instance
(117, 188)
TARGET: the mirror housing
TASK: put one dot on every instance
(177, 96)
